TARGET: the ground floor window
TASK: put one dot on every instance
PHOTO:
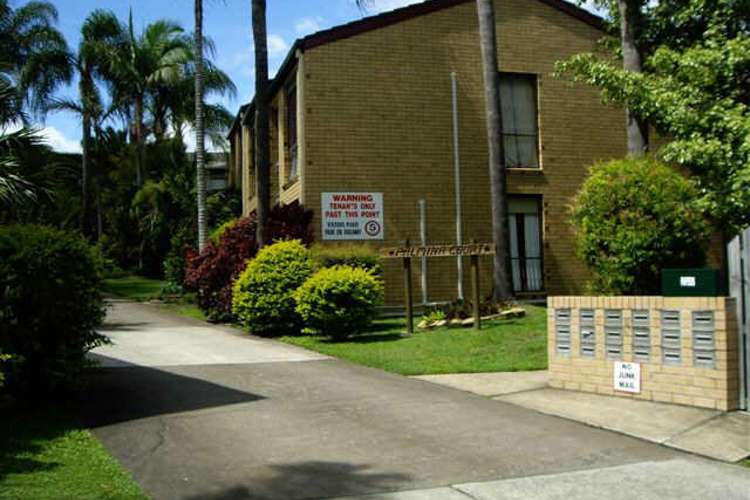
(525, 227)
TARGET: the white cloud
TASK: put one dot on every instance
(59, 142)
(188, 136)
(308, 25)
(384, 5)
(277, 45)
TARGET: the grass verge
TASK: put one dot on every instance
(134, 287)
(44, 455)
(143, 289)
(508, 345)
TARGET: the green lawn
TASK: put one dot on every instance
(510, 345)
(134, 287)
(142, 289)
(44, 455)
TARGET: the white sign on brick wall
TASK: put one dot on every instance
(351, 216)
(627, 377)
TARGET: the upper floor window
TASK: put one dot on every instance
(291, 131)
(520, 127)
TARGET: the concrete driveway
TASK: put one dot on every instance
(196, 411)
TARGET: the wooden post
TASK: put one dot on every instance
(475, 291)
(407, 291)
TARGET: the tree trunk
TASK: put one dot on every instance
(85, 156)
(262, 139)
(630, 19)
(502, 288)
(200, 132)
(99, 221)
(139, 140)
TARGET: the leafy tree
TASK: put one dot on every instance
(694, 92)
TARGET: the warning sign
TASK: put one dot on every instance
(352, 216)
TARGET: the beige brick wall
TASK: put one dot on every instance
(375, 115)
(687, 384)
(378, 118)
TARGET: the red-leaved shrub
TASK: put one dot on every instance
(211, 273)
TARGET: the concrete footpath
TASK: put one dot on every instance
(714, 434)
(196, 411)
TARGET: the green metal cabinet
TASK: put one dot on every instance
(703, 282)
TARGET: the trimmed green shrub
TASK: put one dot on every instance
(263, 295)
(633, 218)
(339, 301)
(50, 304)
(211, 273)
(347, 254)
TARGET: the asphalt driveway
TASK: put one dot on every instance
(196, 411)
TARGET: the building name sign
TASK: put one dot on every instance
(439, 251)
(627, 377)
(352, 216)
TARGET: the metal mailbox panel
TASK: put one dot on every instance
(641, 335)
(671, 341)
(587, 333)
(613, 333)
(562, 332)
(703, 339)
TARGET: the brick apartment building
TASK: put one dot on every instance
(366, 107)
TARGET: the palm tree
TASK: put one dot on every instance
(173, 105)
(33, 53)
(200, 131)
(502, 289)
(33, 64)
(262, 134)
(139, 66)
(99, 33)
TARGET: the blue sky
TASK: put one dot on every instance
(227, 22)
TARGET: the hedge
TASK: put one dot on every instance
(50, 305)
(634, 217)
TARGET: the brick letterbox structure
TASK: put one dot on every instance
(681, 350)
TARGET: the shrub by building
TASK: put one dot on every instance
(211, 274)
(50, 305)
(635, 217)
(339, 301)
(263, 295)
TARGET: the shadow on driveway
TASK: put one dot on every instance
(132, 392)
(314, 479)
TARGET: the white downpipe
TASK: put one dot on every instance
(423, 237)
(457, 177)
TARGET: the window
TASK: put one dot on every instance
(291, 131)
(520, 128)
(524, 224)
